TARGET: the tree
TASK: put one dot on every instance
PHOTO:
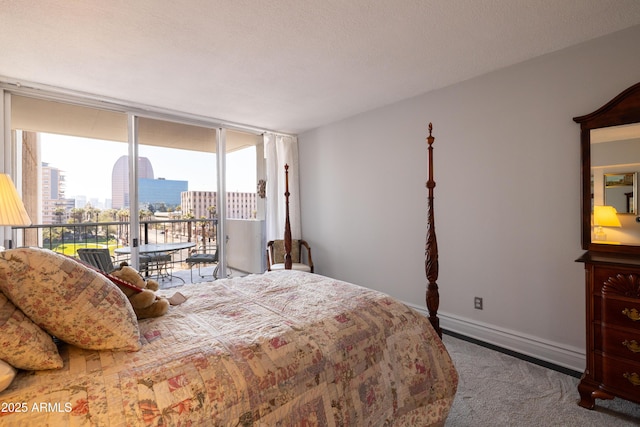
(92, 214)
(123, 227)
(76, 215)
(145, 214)
(59, 213)
(188, 215)
(109, 215)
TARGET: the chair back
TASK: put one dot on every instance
(278, 251)
(97, 257)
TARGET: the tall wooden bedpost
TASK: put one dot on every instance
(288, 263)
(431, 248)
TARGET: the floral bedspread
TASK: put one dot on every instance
(283, 348)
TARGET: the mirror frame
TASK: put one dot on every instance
(624, 109)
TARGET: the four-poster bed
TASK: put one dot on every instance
(280, 348)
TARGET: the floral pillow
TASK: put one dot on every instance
(22, 343)
(7, 374)
(69, 300)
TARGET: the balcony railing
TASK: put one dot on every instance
(68, 238)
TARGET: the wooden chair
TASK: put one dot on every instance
(285, 254)
(98, 257)
(276, 256)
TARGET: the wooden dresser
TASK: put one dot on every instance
(613, 328)
(610, 155)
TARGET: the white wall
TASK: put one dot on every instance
(245, 247)
(507, 169)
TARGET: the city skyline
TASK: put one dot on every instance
(88, 170)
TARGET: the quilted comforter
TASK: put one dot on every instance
(282, 348)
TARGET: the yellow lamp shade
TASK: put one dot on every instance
(12, 211)
(605, 216)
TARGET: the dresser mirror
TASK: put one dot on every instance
(610, 147)
(610, 150)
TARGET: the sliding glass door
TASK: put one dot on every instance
(62, 156)
(94, 176)
(245, 212)
(176, 192)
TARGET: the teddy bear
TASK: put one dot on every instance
(140, 292)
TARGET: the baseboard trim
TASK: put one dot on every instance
(566, 359)
(548, 365)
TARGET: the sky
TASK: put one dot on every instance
(87, 165)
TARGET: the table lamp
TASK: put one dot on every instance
(604, 216)
(12, 211)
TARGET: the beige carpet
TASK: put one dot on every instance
(500, 390)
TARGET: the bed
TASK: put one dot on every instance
(281, 348)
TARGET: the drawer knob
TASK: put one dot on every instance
(632, 345)
(632, 314)
(633, 378)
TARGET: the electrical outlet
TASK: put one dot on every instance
(477, 303)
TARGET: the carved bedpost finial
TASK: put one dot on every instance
(431, 248)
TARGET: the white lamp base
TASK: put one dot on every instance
(599, 234)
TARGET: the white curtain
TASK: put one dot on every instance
(282, 150)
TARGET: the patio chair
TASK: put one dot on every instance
(202, 258)
(153, 264)
(98, 257)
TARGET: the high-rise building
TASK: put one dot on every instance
(81, 201)
(120, 180)
(55, 207)
(160, 191)
(198, 203)
(239, 205)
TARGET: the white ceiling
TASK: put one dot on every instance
(285, 65)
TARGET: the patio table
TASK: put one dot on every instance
(160, 253)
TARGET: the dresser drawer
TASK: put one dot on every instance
(621, 342)
(622, 377)
(621, 311)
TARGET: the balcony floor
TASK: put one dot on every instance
(183, 273)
